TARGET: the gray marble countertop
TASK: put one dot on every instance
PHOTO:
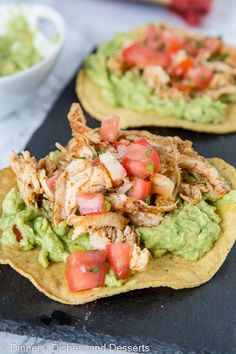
(88, 22)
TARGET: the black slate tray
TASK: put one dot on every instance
(200, 320)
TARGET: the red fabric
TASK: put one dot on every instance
(192, 11)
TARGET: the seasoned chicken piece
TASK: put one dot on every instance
(48, 165)
(155, 76)
(221, 80)
(224, 90)
(122, 203)
(43, 180)
(145, 219)
(81, 175)
(116, 64)
(59, 199)
(192, 193)
(162, 185)
(220, 67)
(216, 185)
(113, 166)
(78, 126)
(25, 169)
(100, 237)
(84, 223)
(139, 258)
(170, 92)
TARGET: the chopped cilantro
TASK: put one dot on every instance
(82, 157)
(150, 167)
(218, 57)
(149, 152)
(202, 77)
(107, 206)
(94, 270)
(199, 44)
(101, 152)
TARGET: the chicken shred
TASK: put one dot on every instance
(25, 169)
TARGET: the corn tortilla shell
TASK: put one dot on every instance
(95, 104)
(168, 271)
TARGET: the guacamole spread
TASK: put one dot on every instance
(17, 50)
(35, 229)
(189, 232)
(131, 90)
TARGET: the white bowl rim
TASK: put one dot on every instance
(61, 29)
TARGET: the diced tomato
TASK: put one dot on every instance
(142, 55)
(17, 233)
(181, 69)
(119, 256)
(86, 270)
(78, 259)
(90, 203)
(141, 161)
(171, 41)
(109, 130)
(152, 37)
(51, 181)
(83, 280)
(135, 168)
(151, 33)
(200, 77)
(191, 46)
(144, 143)
(211, 46)
(141, 189)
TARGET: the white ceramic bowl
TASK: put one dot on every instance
(16, 88)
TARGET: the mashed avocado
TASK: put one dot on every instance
(35, 227)
(189, 232)
(17, 50)
(131, 90)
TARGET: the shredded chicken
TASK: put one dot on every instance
(59, 199)
(162, 185)
(80, 175)
(80, 130)
(43, 180)
(25, 169)
(224, 90)
(145, 219)
(122, 203)
(216, 185)
(139, 258)
(155, 75)
(83, 223)
(117, 64)
(101, 236)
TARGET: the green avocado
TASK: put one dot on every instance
(17, 50)
(131, 91)
(189, 232)
(35, 227)
(227, 199)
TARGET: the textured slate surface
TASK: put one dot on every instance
(201, 320)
